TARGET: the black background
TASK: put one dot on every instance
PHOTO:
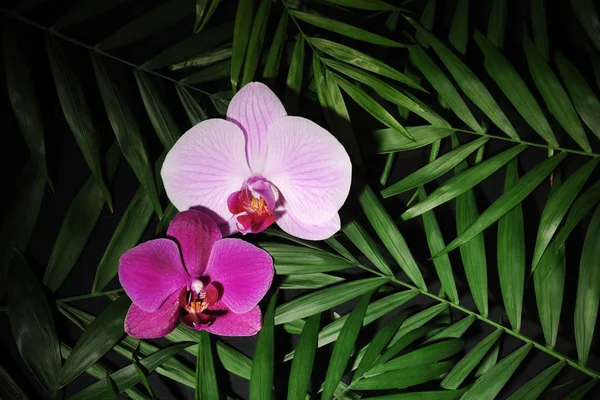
(69, 172)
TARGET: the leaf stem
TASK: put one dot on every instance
(551, 352)
(101, 52)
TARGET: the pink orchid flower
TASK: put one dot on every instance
(258, 167)
(195, 277)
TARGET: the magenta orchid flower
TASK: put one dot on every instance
(258, 167)
(196, 277)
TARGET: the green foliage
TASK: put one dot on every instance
(339, 63)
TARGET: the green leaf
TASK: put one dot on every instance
(128, 232)
(23, 100)
(426, 395)
(257, 38)
(455, 330)
(111, 388)
(536, 386)
(390, 141)
(497, 23)
(231, 359)
(127, 132)
(404, 378)
(290, 259)
(344, 346)
(153, 21)
(210, 57)
(84, 10)
(390, 235)
(294, 77)
(440, 82)
(557, 206)
(160, 117)
(554, 95)
(77, 113)
(275, 52)
(9, 389)
(581, 391)
(513, 87)
(427, 20)
(344, 29)
(21, 217)
(127, 377)
(200, 9)
(377, 345)
(97, 340)
(508, 200)
(32, 325)
(375, 310)
(435, 242)
(470, 84)
(595, 59)
(206, 379)
(208, 14)
(488, 361)
(584, 99)
(468, 363)
(489, 385)
(195, 113)
(304, 357)
(511, 253)
(324, 299)
(371, 5)
(371, 106)
(359, 236)
(434, 169)
(459, 30)
(309, 281)
(143, 378)
(588, 289)
(388, 92)
(78, 224)
(362, 60)
(540, 30)
(192, 46)
(400, 341)
(549, 284)
(263, 365)
(419, 319)
(424, 355)
(588, 17)
(241, 34)
(211, 73)
(464, 181)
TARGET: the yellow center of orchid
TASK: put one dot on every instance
(258, 204)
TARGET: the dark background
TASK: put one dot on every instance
(69, 172)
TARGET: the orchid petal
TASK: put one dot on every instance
(196, 234)
(232, 324)
(151, 272)
(206, 165)
(302, 230)
(142, 324)
(243, 271)
(253, 109)
(310, 168)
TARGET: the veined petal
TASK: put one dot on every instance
(253, 109)
(196, 234)
(151, 272)
(149, 325)
(232, 324)
(310, 168)
(243, 271)
(302, 230)
(205, 166)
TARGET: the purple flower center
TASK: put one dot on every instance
(194, 301)
(253, 206)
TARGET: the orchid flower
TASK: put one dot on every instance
(258, 167)
(196, 277)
